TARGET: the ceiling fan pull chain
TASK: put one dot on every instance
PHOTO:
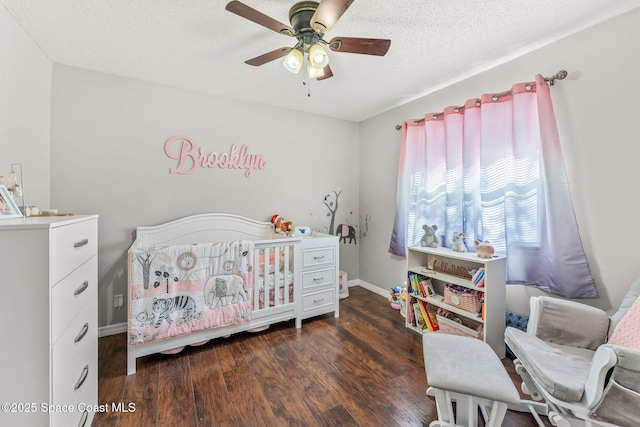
(306, 83)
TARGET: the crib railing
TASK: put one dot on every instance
(274, 274)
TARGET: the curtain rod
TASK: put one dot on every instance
(560, 75)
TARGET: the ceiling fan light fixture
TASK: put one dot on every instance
(293, 61)
(314, 72)
(318, 56)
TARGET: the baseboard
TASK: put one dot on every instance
(118, 328)
(368, 286)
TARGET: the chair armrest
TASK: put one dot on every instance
(604, 359)
(567, 322)
(614, 395)
(627, 369)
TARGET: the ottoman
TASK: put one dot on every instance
(466, 371)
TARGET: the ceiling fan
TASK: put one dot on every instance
(310, 20)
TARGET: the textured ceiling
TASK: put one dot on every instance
(197, 44)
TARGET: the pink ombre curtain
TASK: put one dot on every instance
(494, 170)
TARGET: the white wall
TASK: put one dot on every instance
(597, 112)
(108, 137)
(25, 102)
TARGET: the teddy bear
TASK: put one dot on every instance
(280, 226)
(458, 242)
(484, 249)
(430, 239)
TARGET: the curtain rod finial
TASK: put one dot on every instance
(560, 75)
(398, 127)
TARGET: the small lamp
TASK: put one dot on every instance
(318, 57)
(293, 60)
(314, 72)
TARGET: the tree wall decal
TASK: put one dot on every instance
(333, 208)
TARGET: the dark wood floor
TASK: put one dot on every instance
(361, 369)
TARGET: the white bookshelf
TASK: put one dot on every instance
(442, 266)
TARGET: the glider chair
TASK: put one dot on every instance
(583, 363)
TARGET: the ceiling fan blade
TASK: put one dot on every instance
(269, 56)
(328, 13)
(378, 47)
(326, 73)
(260, 18)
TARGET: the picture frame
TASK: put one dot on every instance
(8, 207)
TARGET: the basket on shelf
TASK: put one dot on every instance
(461, 297)
(451, 327)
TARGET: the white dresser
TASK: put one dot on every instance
(320, 257)
(49, 284)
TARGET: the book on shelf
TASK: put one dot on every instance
(410, 315)
(426, 287)
(480, 309)
(420, 285)
(421, 322)
(413, 283)
(428, 311)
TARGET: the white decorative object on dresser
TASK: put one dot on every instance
(49, 365)
(477, 301)
(320, 256)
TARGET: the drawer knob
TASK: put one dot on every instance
(318, 301)
(83, 332)
(81, 289)
(81, 243)
(318, 279)
(318, 258)
(83, 377)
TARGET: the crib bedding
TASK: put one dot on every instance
(180, 289)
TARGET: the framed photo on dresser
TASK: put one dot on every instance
(8, 207)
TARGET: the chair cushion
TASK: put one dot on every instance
(626, 332)
(561, 370)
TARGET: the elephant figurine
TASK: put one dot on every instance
(346, 232)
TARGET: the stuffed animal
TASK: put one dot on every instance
(430, 239)
(458, 242)
(281, 226)
(484, 249)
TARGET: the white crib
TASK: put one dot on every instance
(276, 256)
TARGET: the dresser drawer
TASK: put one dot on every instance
(318, 300)
(74, 358)
(319, 256)
(71, 246)
(318, 278)
(71, 294)
(80, 417)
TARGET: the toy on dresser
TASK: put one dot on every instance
(430, 239)
(280, 226)
(484, 249)
(458, 242)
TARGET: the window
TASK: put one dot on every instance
(493, 170)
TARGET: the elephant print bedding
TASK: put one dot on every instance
(177, 290)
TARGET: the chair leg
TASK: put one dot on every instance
(528, 386)
(498, 411)
(444, 406)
